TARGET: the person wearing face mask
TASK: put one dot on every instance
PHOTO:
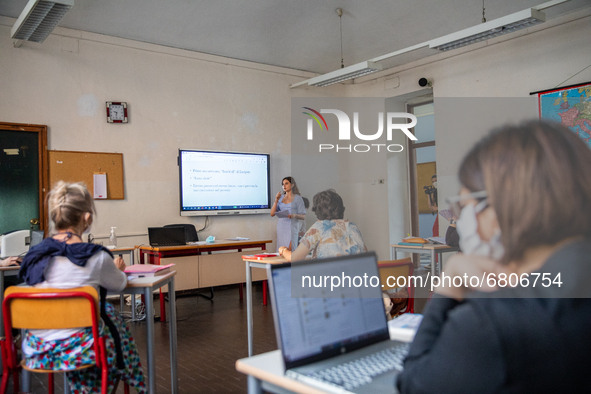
(524, 211)
(65, 261)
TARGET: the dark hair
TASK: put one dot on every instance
(306, 202)
(434, 176)
(533, 176)
(328, 205)
(294, 186)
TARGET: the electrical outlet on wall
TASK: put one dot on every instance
(380, 181)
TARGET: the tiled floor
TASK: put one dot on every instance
(211, 337)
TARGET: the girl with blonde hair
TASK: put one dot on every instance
(64, 260)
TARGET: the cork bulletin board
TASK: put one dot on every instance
(72, 166)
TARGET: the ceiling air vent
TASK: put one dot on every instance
(38, 20)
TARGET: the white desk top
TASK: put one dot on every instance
(150, 281)
(268, 367)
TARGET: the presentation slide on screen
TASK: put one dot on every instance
(224, 180)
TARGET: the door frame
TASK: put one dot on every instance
(412, 175)
(41, 131)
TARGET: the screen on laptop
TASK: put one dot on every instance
(312, 329)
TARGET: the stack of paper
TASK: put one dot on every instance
(147, 270)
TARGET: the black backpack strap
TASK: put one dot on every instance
(112, 328)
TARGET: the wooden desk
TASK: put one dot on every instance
(255, 263)
(199, 266)
(426, 248)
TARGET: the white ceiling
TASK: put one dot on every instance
(299, 34)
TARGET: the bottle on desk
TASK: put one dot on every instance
(113, 237)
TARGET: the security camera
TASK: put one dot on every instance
(425, 82)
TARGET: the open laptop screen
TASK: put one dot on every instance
(313, 329)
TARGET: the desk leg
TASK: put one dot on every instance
(254, 385)
(150, 339)
(162, 307)
(432, 262)
(172, 327)
(66, 384)
(249, 306)
(132, 262)
(391, 253)
(26, 381)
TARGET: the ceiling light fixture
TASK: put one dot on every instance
(345, 73)
(507, 24)
(504, 25)
(38, 20)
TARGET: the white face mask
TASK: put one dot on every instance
(435, 184)
(470, 241)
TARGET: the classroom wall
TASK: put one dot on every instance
(481, 87)
(176, 99)
(181, 99)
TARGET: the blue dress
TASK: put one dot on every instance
(288, 229)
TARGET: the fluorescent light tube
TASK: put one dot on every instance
(507, 24)
(344, 74)
(39, 18)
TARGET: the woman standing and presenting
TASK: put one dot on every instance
(65, 261)
(524, 222)
(289, 201)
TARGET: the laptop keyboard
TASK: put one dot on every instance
(361, 371)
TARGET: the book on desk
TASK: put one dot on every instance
(147, 270)
(260, 256)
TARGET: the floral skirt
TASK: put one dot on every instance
(77, 350)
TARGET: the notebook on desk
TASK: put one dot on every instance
(166, 236)
(339, 344)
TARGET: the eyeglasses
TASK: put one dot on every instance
(456, 206)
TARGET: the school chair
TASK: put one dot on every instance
(46, 308)
(395, 270)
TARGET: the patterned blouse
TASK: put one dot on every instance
(330, 238)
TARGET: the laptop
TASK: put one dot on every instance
(336, 341)
(166, 236)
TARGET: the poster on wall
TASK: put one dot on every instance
(570, 106)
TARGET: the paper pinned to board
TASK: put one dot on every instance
(99, 185)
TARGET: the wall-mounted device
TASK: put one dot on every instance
(425, 82)
(223, 183)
